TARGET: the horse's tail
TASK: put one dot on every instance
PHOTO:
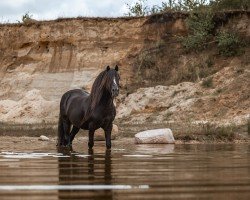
(60, 132)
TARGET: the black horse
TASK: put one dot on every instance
(89, 111)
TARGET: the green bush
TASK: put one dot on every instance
(183, 5)
(26, 17)
(139, 9)
(230, 4)
(200, 24)
(195, 42)
(229, 44)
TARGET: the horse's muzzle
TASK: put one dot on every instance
(115, 92)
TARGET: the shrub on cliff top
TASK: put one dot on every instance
(230, 4)
(229, 43)
(26, 17)
(141, 7)
(200, 24)
(138, 9)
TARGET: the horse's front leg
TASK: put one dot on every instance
(91, 139)
(108, 130)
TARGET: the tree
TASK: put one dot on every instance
(138, 9)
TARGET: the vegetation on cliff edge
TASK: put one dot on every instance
(205, 34)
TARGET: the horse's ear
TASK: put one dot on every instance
(116, 68)
(108, 68)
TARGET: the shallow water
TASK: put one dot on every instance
(197, 171)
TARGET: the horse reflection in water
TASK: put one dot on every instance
(90, 170)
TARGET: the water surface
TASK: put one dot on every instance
(128, 171)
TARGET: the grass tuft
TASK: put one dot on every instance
(208, 82)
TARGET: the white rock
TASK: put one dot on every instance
(100, 135)
(43, 138)
(156, 136)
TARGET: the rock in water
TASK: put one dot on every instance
(100, 135)
(43, 138)
(156, 136)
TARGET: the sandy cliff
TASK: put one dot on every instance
(42, 60)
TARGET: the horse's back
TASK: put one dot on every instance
(73, 99)
(76, 92)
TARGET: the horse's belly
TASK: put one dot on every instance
(85, 126)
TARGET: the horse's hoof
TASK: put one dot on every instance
(59, 144)
(90, 145)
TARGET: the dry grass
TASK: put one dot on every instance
(207, 132)
(186, 131)
(207, 82)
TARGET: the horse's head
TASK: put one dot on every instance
(113, 83)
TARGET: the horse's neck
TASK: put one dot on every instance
(105, 105)
(106, 99)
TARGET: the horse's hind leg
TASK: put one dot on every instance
(73, 133)
(66, 129)
(60, 132)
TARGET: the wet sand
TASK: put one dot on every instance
(34, 143)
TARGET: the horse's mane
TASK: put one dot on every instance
(102, 82)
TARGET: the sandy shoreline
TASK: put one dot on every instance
(33, 143)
